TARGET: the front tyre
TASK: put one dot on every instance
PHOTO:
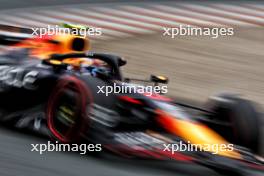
(68, 110)
(242, 117)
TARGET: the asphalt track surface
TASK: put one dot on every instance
(16, 159)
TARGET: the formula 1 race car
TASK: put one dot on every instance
(80, 103)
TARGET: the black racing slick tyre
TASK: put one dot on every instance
(68, 110)
(242, 117)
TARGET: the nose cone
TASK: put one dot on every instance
(206, 139)
(199, 136)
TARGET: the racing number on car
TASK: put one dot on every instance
(17, 77)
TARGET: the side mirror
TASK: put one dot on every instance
(121, 62)
(159, 79)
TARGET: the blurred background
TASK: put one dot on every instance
(198, 66)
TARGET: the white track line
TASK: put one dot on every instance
(113, 19)
(240, 14)
(85, 21)
(41, 18)
(156, 14)
(134, 16)
(167, 16)
(241, 20)
(258, 7)
(241, 10)
(21, 20)
(215, 21)
(109, 25)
